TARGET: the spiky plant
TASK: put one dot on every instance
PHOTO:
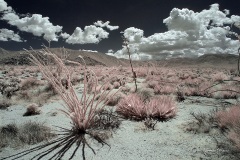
(126, 44)
(83, 112)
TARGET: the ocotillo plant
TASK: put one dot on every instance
(126, 43)
(82, 111)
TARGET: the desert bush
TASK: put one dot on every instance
(133, 107)
(150, 123)
(49, 88)
(29, 83)
(125, 89)
(164, 89)
(81, 111)
(8, 87)
(32, 109)
(113, 100)
(23, 94)
(229, 120)
(116, 85)
(162, 107)
(204, 122)
(219, 77)
(33, 132)
(27, 134)
(145, 94)
(180, 96)
(5, 103)
(107, 119)
(108, 86)
(152, 84)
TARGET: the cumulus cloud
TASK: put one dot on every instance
(65, 35)
(190, 34)
(7, 35)
(41, 26)
(35, 24)
(90, 34)
(106, 24)
(4, 6)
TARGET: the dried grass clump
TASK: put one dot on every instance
(32, 109)
(204, 122)
(8, 87)
(29, 83)
(5, 103)
(113, 100)
(134, 107)
(146, 93)
(26, 134)
(229, 120)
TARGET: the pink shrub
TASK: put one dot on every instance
(152, 84)
(219, 76)
(141, 71)
(107, 86)
(164, 89)
(113, 100)
(162, 107)
(116, 85)
(132, 106)
(230, 119)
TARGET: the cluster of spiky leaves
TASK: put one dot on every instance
(83, 112)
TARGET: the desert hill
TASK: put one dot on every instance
(97, 58)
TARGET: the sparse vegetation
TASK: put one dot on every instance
(83, 112)
(32, 109)
(27, 134)
(134, 107)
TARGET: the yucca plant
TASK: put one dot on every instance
(83, 111)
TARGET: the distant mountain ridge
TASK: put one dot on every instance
(97, 58)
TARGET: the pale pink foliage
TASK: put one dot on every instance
(162, 107)
(132, 106)
(82, 111)
(231, 119)
(219, 76)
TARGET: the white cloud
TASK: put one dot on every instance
(41, 26)
(65, 35)
(188, 35)
(6, 35)
(35, 24)
(106, 24)
(90, 34)
(84, 50)
(4, 6)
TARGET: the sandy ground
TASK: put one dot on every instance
(132, 141)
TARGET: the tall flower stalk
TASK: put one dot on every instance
(126, 44)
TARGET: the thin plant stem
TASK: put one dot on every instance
(130, 60)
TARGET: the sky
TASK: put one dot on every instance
(155, 28)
